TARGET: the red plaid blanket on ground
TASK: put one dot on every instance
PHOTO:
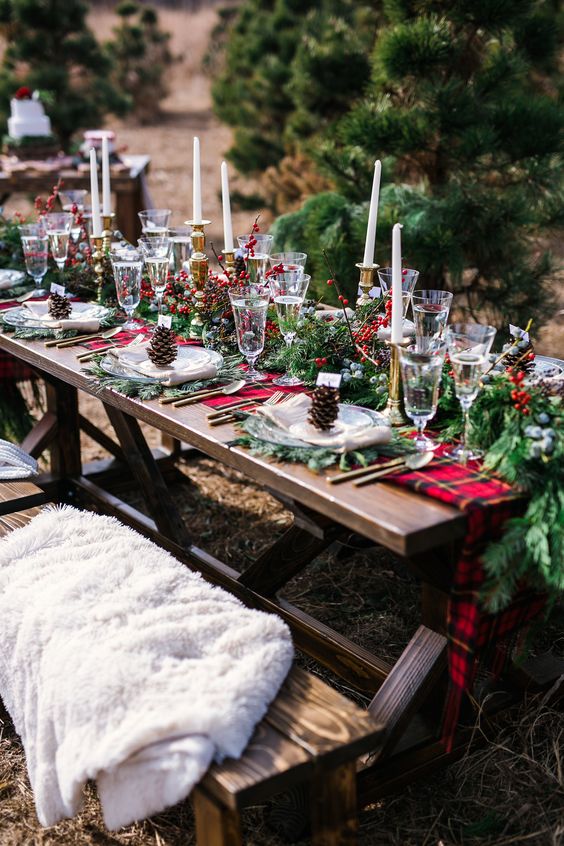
(488, 502)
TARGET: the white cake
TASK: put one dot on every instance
(28, 119)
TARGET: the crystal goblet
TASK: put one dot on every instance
(156, 252)
(468, 346)
(75, 199)
(409, 279)
(250, 304)
(288, 291)
(58, 226)
(181, 239)
(430, 315)
(421, 377)
(256, 257)
(290, 261)
(36, 253)
(154, 222)
(127, 265)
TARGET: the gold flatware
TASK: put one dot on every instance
(24, 297)
(362, 471)
(61, 343)
(277, 398)
(220, 412)
(414, 461)
(198, 396)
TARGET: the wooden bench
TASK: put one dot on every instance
(311, 735)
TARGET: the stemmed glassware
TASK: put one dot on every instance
(468, 346)
(409, 279)
(250, 304)
(430, 316)
(288, 291)
(156, 252)
(69, 201)
(181, 246)
(421, 377)
(36, 253)
(154, 222)
(58, 226)
(127, 265)
(257, 257)
(290, 261)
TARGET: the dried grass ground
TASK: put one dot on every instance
(510, 792)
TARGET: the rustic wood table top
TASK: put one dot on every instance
(401, 520)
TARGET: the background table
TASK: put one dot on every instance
(129, 187)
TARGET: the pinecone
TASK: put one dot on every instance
(324, 407)
(162, 349)
(59, 307)
(239, 266)
(519, 356)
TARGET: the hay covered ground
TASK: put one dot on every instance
(510, 792)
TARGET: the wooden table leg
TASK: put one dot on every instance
(62, 402)
(145, 469)
(216, 825)
(334, 808)
(43, 433)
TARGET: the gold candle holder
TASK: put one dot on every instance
(198, 269)
(97, 266)
(229, 260)
(366, 282)
(394, 409)
(107, 231)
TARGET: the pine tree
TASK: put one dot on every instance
(463, 108)
(51, 48)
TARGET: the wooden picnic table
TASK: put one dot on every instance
(406, 697)
(127, 185)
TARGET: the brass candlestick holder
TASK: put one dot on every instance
(198, 269)
(394, 409)
(97, 266)
(366, 283)
(229, 260)
(107, 231)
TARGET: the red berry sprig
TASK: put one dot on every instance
(520, 397)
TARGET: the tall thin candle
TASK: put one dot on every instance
(226, 202)
(106, 190)
(370, 242)
(196, 184)
(96, 220)
(397, 299)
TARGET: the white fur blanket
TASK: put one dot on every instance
(121, 665)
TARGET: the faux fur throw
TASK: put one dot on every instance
(121, 665)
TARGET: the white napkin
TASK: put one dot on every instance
(181, 370)
(342, 437)
(9, 278)
(15, 463)
(81, 316)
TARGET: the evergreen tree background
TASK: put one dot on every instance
(50, 48)
(460, 100)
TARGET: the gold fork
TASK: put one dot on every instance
(224, 415)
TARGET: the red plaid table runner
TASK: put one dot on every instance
(488, 502)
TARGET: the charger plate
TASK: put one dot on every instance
(263, 429)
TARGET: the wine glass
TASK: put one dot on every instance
(290, 261)
(421, 377)
(156, 252)
(249, 306)
(58, 226)
(71, 200)
(154, 222)
(181, 246)
(288, 291)
(36, 253)
(468, 346)
(430, 315)
(256, 257)
(409, 279)
(127, 265)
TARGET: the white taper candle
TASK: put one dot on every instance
(226, 202)
(370, 242)
(196, 184)
(106, 190)
(96, 220)
(397, 298)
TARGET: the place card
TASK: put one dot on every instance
(329, 380)
(57, 289)
(165, 320)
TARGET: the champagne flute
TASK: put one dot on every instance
(430, 315)
(288, 291)
(409, 279)
(69, 201)
(58, 226)
(154, 222)
(468, 346)
(256, 257)
(127, 265)
(421, 377)
(36, 253)
(181, 246)
(250, 305)
(156, 252)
